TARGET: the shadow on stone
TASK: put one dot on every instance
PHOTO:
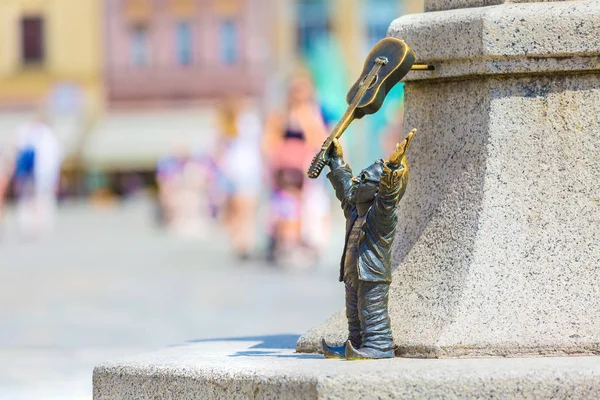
(267, 343)
(250, 353)
(283, 341)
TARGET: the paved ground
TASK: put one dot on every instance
(108, 284)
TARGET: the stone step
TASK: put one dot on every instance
(262, 369)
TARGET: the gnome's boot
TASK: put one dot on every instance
(376, 331)
(365, 353)
(333, 351)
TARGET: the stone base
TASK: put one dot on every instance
(259, 368)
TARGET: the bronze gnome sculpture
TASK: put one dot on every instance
(369, 202)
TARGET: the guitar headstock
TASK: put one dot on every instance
(381, 60)
(317, 164)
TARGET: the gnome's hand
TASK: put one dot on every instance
(335, 150)
(401, 148)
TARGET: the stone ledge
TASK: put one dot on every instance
(461, 69)
(438, 5)
(257, 369)
(508, 38)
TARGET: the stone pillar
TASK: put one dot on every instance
(498, 244)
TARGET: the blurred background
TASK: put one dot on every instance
(152, 174)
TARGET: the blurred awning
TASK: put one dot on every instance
(134, 140)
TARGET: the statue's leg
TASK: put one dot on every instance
(374, 317)
(351, 285)
(352, 313)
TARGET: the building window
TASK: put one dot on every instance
(229, 48)
(139, 45)
(183, 43)
(378, 15)
(32, 40)
(313, 24)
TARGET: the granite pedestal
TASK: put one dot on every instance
(498, 244)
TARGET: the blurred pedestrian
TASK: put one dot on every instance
(181, 187)
(38, 159)
(292, 136)
(239, 161)
(6, 170)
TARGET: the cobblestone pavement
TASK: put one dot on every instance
(109, 284)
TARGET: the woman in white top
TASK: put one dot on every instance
(239, 161)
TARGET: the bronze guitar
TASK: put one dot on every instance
(387, 63)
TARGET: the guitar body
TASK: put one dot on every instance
(400, 60)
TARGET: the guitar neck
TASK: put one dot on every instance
(340, 127)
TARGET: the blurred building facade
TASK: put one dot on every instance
(46, 43)
(162, 51)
